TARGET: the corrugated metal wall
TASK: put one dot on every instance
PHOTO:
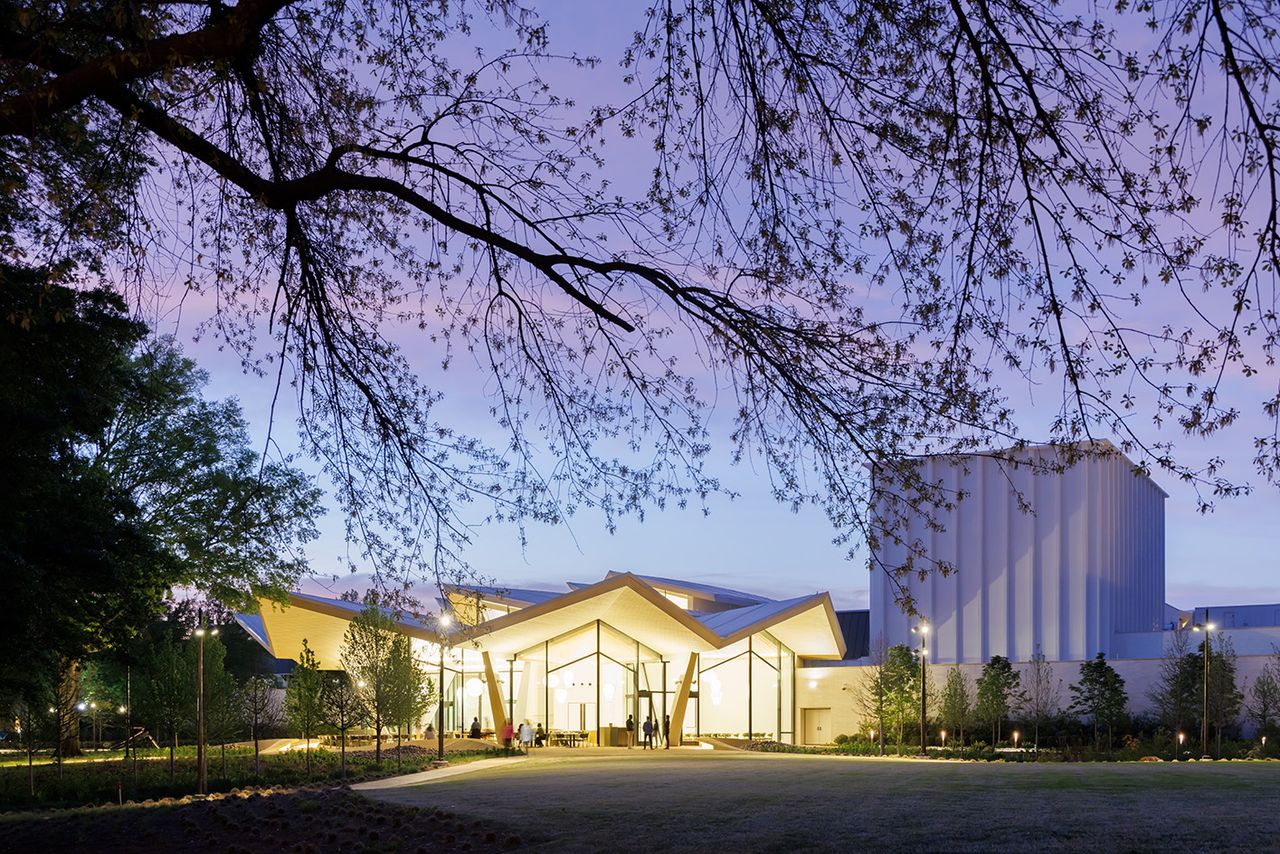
(1087, 564)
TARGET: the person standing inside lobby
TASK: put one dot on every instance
(631, 730)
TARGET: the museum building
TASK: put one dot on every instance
(1069, 563)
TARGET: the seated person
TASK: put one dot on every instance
(475, 728)
(539, 736)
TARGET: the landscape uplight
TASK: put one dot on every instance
(1015, 739)
(943, 733)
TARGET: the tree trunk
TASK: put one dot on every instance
(223, 747)
(68, 697)
(173, 746)
(307, 738)
(257, 768)
(377, 741)
(342, 735)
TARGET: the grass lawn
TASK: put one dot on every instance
(749, 802)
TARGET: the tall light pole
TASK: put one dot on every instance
(202, 758)
(923, 631)
(443, 622)
(1206, 627)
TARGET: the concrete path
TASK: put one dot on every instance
(436, 775)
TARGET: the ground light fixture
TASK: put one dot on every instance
(1205, 627)
(1182, 737)
(923, 631)
(1015, 739)
(943, 733)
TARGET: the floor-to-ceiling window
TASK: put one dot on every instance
(588, 681)
(746, 690)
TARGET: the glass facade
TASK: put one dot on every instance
(582, 685)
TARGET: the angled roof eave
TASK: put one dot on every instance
(822, 600)
(608, 585)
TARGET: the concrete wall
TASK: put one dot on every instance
(1088, 562)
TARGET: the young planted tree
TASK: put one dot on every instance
(409, 690)
(260, 711)
(1099, 695)
(956, 704)
(166, 693)
(1225, 697)
(1043, 693)
(901, 678)
(1176, 694)
(302, 704)
(343, 709)
(999, 692)
(223, 718)
(367, 657)
(1263, 702)
(869, 695)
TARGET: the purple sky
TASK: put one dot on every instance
(752, 543)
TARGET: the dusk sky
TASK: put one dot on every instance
(1226, 557)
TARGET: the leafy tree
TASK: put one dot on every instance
(367, 649)
(1176, 694)
(1099, 696)
(232, 521)
(870, 695)
(261, 711)
(971, 165)
(1225, 697)
(302, 699)
(148, 485)
(1263, 704)
(81, 574)
(901, 677)
(1043, 694)
(343, 709)
(166, 693)
(956, 707)
(411, 692)
(222, 712)
(999, 693)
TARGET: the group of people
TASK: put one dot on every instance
(527, 735)
(655, 732)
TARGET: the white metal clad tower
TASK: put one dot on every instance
(1087, 562)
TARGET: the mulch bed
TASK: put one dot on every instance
(277, 820)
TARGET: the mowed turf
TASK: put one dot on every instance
(728, 801)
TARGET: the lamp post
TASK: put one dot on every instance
(1206, 627)
(94, 730)
(923, 631)
(202, 758)
(443, 622)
